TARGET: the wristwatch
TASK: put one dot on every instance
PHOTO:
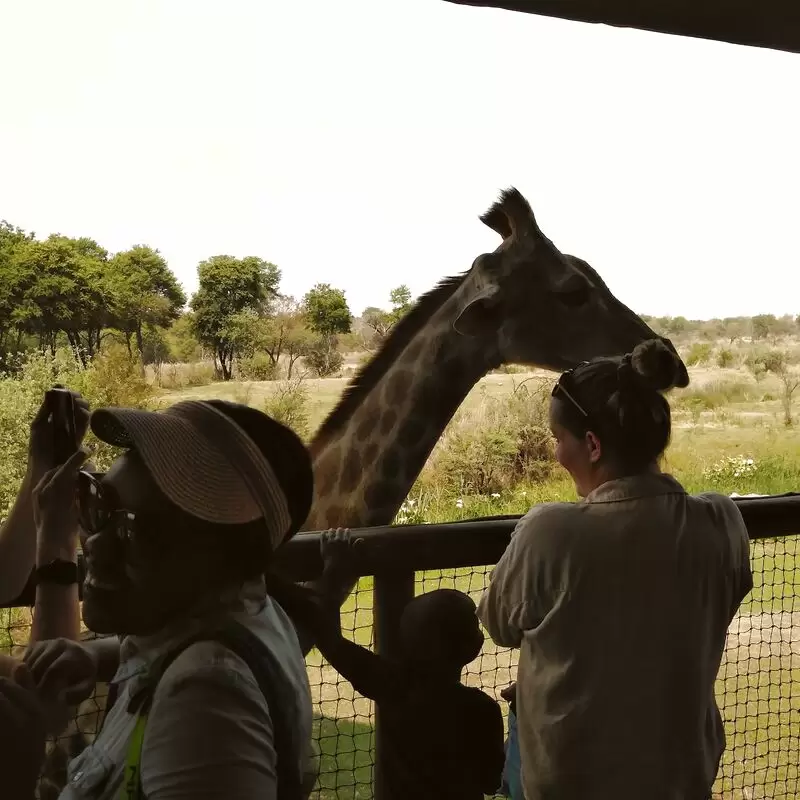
(60, 572)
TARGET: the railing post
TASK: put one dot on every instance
(390, 594)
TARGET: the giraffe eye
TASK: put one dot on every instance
(575, 297)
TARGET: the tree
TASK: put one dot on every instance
(66, 289)
(763, 325)
(783, 365)
(734, 328)
(14, 279)
(183, 343)
(285, 334)
(400, 299)
(380, 322)
(327, 311)
(228, 288)
(144, 291)
(327, 315)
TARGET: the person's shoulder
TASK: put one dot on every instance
(549, 520)
(721, 507)
(725, 516)
(207, 661)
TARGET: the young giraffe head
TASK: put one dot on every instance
(538, 306)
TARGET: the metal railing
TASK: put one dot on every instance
(758, 687)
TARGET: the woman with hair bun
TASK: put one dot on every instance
(620, 602)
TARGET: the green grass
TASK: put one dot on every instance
(346, 754)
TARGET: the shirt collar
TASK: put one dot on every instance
(138, 653)
(648, 484)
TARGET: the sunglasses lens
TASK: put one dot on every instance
(93, 512)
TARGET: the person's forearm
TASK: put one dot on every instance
(18, 543)
(368, 673)
(56, 614)
(334, 587)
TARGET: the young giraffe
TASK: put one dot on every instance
(524, 303)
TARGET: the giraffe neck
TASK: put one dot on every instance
(365, 469)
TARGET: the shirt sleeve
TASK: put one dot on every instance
(742, 566)
(209, 735)
(526, 583)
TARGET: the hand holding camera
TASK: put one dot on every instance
(55, 459)
(57, 431)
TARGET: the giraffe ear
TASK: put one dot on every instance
(479, 316)
(511, 215)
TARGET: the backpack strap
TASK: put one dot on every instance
(262, 663)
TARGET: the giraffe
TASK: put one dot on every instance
(524, 303)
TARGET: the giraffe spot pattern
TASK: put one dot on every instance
(351, 471)
(397, 388)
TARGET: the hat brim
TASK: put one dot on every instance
(193, 473)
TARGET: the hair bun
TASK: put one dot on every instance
(657, 365)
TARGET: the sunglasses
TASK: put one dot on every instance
(561, 389)
(98, 508)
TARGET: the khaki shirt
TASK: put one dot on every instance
(209, 733)
(620, 606)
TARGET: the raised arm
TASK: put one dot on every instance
(371, 675)
(56, 614)
(18, 541)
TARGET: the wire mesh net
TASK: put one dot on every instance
(758, 688)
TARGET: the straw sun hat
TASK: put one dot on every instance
(218, 461)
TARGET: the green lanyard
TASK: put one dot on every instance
(131, 778)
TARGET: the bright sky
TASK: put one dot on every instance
(356, 142)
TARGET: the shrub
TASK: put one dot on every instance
(288, 403)
(495, 446)
(242, 393)
(412, 512)
(712, 395)
(725, 358)
(115, 378)
(324, 361)
(477, 462)
(510, 369)
(258, 367)
(699, 353)
(181, 376)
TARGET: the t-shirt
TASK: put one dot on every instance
(440, 739)
(620, 606)
(209, 732)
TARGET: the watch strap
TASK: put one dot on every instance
(58, 571)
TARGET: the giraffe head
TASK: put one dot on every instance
(531, 304)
